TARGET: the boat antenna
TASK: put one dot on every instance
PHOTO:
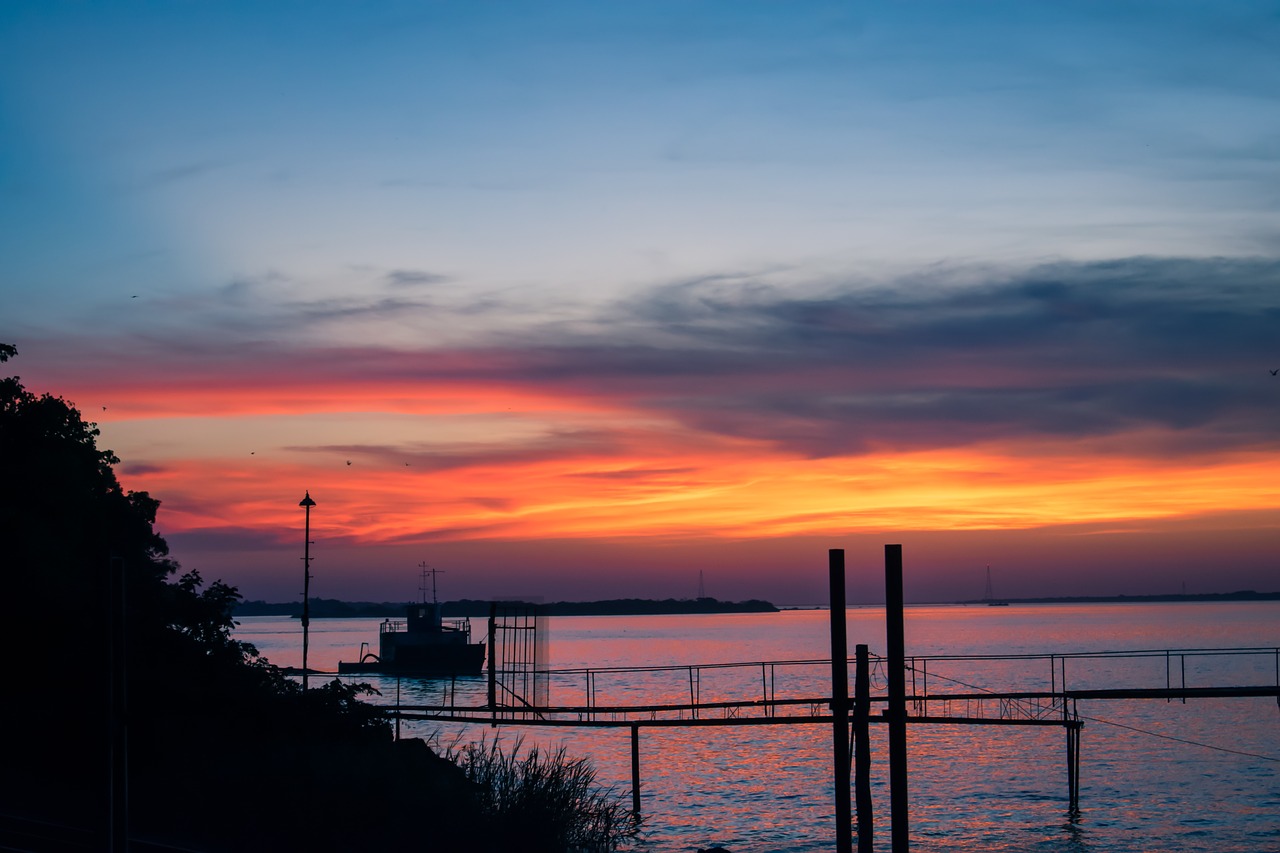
(423, 589)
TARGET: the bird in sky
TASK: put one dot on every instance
(348, 461)
(1273, 373)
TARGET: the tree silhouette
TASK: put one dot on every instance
(213, 729)
(224, 752)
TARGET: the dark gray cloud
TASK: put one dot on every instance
(494, 504)
(414, 278)
(447, 534)
(221, 539)
(345, 309)
(556, 444)
(139, 469)
(175, 174)
(1065, 350)
(278, 308)
(635, 473)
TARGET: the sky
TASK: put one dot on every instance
(592, 300)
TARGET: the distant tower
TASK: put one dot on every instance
(702, 587)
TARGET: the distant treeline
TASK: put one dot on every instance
(1240, 595)
(332, 608)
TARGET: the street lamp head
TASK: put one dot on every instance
(307, 502)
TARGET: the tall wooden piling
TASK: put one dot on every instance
(840, 702)
(862, 748)
(493, 664)
(635, 771)
(1073, 769)
(897, 711)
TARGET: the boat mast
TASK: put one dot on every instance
(989, 596)
(423, 589)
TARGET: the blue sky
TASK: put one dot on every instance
(595, 148)
(191, 186)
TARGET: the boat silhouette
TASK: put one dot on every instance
(422, 644)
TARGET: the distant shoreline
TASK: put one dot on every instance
(1241, 595)
(328, 608)
(322, 608)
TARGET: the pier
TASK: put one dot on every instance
(892, 689)
(928, 703)
(773, 694)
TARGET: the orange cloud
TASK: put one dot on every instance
(672, 483)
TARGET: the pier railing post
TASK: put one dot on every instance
(840, 703)
(897, 710)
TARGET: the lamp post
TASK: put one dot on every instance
(307, 504)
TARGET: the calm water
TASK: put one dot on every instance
(767, 789)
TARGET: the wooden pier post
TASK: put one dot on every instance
(635, 771)
(862, 748)
(897, 711)
(840, 702)
(493, 667)
(1073, 769)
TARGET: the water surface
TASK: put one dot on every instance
(1156, 775)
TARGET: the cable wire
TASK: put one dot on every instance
(1125, 726)
(1178, 739)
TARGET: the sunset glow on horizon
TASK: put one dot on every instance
(392, 469)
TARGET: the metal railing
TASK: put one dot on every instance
(1012, 688)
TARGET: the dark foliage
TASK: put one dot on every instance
(223, 750)
(541, 802)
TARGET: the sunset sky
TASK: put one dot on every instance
(579, 300)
